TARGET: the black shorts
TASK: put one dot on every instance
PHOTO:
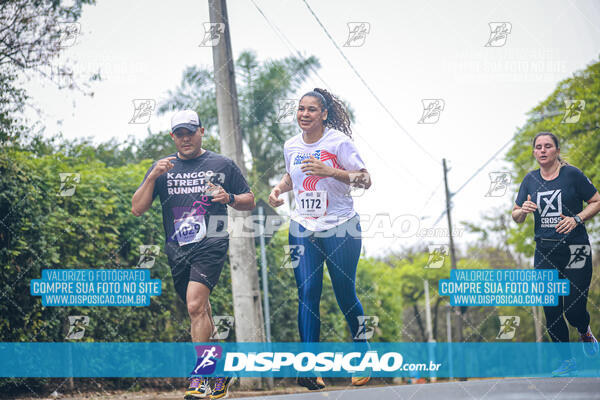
(203, 263)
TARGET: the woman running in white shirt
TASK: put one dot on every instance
(322, 162)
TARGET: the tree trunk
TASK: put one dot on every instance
(435, 317)
(247, 308)
(419, 322)
(537, 323)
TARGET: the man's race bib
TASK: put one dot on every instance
(313, 203)
(190, 229)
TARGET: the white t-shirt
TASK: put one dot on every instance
(336, 150)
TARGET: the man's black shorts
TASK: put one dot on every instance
(201, 262)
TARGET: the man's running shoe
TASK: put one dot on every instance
(199, 389)
(311, 382)
(590, 344)
(360, 381)
(567, 368)
(220, 386)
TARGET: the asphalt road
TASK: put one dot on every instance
(489, 389)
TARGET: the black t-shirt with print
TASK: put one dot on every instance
(187, 204)
(564, 194)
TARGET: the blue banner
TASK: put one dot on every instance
(290, 359)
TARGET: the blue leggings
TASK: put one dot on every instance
(340, 248)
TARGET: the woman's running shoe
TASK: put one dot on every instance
(199, 389)
(567, 368)
(360, 380)
(220, 387)
(311, 382)
(590, 344)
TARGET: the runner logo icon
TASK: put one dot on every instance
(148, 254)
(212, 34)
(287, 111)
(142, 110)
(499, 32)
(223, 324)
(292, 255)
(437, 255)
(366, 326)
(359, 181)
(68, 183)
(573, 110)
(432, 109)
(68, 33)
(216, 178)
(207, 360)
(499, 182)
(357, 33)
(508, 326)
(579, 255)
(77, 324)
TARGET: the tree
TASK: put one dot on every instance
(32, 35)
(494, 249)
(578, 129)
(261, 87)
(493, 244)
(414, 268)
(577, 125)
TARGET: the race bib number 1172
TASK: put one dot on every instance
(313, 203)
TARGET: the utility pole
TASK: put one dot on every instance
(245, 289)
(452, 253)
(430, 339)
(264, 272)
(265, 281)
(427, 311)
(449, 339)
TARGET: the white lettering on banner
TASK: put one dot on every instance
(306, 361)
(282, 360)
(235, 361)
(396, 359)
(324, 362)
(346, 361)
(402, 226)
(311, 362)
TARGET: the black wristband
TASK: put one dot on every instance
(231, 198)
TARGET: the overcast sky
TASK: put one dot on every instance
(412, 51)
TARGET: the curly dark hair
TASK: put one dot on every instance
(337, 116)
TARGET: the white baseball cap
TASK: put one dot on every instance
(187, 119)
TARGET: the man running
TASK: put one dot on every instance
(195, 186)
